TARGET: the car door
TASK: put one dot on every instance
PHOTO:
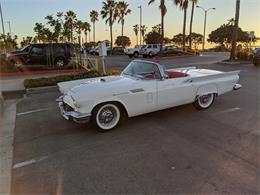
(37, 55)
(175, 91)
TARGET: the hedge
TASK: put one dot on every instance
(52, 81)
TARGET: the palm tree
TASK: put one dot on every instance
(136, 30)
(108, 12)
(163, 10)
(86, 29)
(235, 31)
(69, 22)
(184, 6)
(94, 19)
(194, 2)
(79, 28)
(143, 31)
(123, 10)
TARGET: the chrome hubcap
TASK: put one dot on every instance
(107, 116)
(206, 100)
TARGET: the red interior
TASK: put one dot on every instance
(173, 74)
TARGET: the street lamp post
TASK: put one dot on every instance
(205, 23)
(140, 7)
(3, 27)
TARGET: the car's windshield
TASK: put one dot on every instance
(144, 70)
(25, 48)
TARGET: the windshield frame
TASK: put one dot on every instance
(139, 76)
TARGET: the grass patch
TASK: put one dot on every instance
(52, 81)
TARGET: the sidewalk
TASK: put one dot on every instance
(7, 125)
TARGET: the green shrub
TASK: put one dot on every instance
(52, 81)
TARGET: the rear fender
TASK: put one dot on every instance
(207, 89)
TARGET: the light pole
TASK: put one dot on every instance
(205, 23)
(140, 7)
(3, 27)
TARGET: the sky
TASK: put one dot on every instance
(23, 14)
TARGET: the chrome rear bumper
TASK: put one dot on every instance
(237, 87)
(73, 115)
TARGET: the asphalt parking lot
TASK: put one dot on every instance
(179, 150)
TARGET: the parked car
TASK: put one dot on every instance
(142, 87)
(134, 52)
(172, 50)
(118, 50)
(95, 51)
(256, 57)
(58, 54)
(150, 50)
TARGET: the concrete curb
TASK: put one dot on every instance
(7, 125)
(233, 63)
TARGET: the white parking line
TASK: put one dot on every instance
(31, 111)
(29, 162)
(230, 110)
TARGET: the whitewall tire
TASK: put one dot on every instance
(106, 116)
(204, 101)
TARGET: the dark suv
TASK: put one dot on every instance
(57, 54)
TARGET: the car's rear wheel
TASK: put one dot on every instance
(130, 55)
(204, 102)
(136, 54)
(150, 54)
(106, 116)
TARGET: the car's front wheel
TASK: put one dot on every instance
(204, 101)
(106, 116)
(60, 62)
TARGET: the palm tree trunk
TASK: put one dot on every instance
(162, 31)
(94, 32)
(184, 30)
(235, 32)
(191, 23)
(111, 38)
(86, 37)
(122, 30)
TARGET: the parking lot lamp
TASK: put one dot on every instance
(205, 23)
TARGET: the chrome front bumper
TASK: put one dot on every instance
(73, 115)
(237, 87)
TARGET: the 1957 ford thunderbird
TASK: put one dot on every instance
(141, 88)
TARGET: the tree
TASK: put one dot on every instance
(26, 41)
(143, 31)
(178, 39)
(108, 13)
(163, 10)
(194, 2)
(196, 39)
(235, 31)
(123, 41)
(184, 6)
(79, 28)
(11, 42)
(223, 35)
(94, 19)
(86, 29)
(157, 28)
(153, 37)
(69, 24)
(136, 30)
(122, 11)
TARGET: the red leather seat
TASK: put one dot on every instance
(173, 74)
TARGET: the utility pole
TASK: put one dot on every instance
(140, 7)
(3, 27)
(205, 24)
(235, 32)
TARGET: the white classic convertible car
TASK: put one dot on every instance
(141, 88)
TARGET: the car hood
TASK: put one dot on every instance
(98, 87)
